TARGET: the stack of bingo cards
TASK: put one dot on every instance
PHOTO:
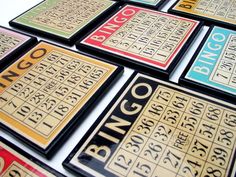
(62, 20)
(13, 44)
(147, 40)
(218, 12)
(213, 68)
(44, 94)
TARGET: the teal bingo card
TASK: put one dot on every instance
(147, 3)
(150, 2)
(213, 67)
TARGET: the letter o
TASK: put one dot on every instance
(143, 96)
(38, 53)
(218, 37)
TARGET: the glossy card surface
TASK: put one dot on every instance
(41, 93)
(142, 36)
(10, 41)
(220, 12)
(63, 18)
(215, 63)
(14, 163)
(155, 128)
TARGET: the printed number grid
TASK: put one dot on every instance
(150, 35)
(19, 169)
(7, 43)
(45, 95)
(177, 135)
(224, 9)
(68, 15)
(225, 70)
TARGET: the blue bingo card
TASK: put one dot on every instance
(149, 2)
(214, 64)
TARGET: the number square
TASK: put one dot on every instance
(153, 151)
(134, 143)
(122, 162)
(142, 167)
(172, 159)
(47, 125)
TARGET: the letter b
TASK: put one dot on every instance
(98, 38)
(202, 70)
(101, 153)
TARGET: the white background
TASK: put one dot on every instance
(9, 9)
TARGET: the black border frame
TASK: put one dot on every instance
(200, 87)
(31, 158)
(70, 167)
(68, 41)
(136, 65)
(208, 21)
(78, 117)
(19, 51)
